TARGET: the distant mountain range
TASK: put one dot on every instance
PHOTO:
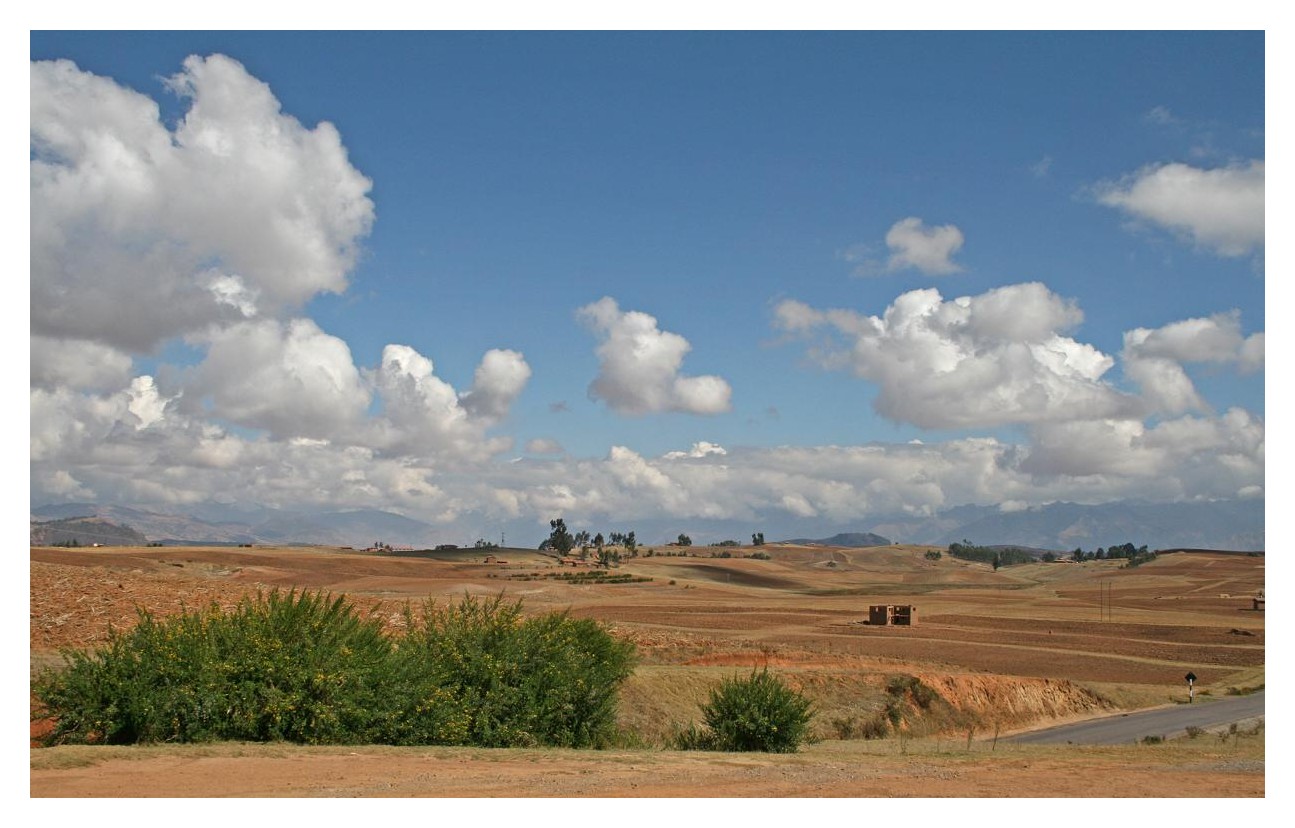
(846, 539)
(1215, 524)
(360, 527)
(1220, 524)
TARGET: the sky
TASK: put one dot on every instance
(491, 278)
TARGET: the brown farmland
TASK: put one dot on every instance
(1022, 647)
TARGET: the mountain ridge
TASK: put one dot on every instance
(853, 540)
(1060, 527)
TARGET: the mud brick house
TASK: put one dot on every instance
(879, 615)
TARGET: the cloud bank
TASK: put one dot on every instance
(217, 231)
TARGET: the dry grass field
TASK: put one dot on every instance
(1008, 650)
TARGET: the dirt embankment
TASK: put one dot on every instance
(1012, 702)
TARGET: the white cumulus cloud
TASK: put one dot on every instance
(639, 366)
(1213, 339)
(289, 378)
(930, 250)
(998, 358)
(1221, 209)
(1177, 458)
(140, 232)
(699, 449)
(423, 415)
(215, 230)
(499, 378)
(1154, 358)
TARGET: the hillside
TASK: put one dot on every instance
(848, 540)
(84, 531)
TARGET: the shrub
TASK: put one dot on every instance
(694, 738)
(902, 686)
(876, 726)
(548, 680)
(302, 668)
(757, 713)
(308, 668)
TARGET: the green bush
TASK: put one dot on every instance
(756, 713)
(876, 726)
(301, 668)
(514, 681)
(308, 668)
(694, 738)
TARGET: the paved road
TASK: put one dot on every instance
(1166, 721)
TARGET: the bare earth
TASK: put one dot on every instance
(1019, 648)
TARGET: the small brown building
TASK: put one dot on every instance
(879, 615)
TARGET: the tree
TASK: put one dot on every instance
(630, 544)
(598, 540)
(560, 540)
(998, 561)
(757, 539)
(608, 558)
(684, 540)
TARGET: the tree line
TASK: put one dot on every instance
(1007, 556)
(1010, 555)
(1135, 555)
(562, 541)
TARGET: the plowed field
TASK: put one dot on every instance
(1050, 641)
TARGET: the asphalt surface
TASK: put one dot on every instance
(1167, 722)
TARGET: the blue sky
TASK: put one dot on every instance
(751, 204)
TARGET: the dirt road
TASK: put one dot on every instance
(837, 769)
